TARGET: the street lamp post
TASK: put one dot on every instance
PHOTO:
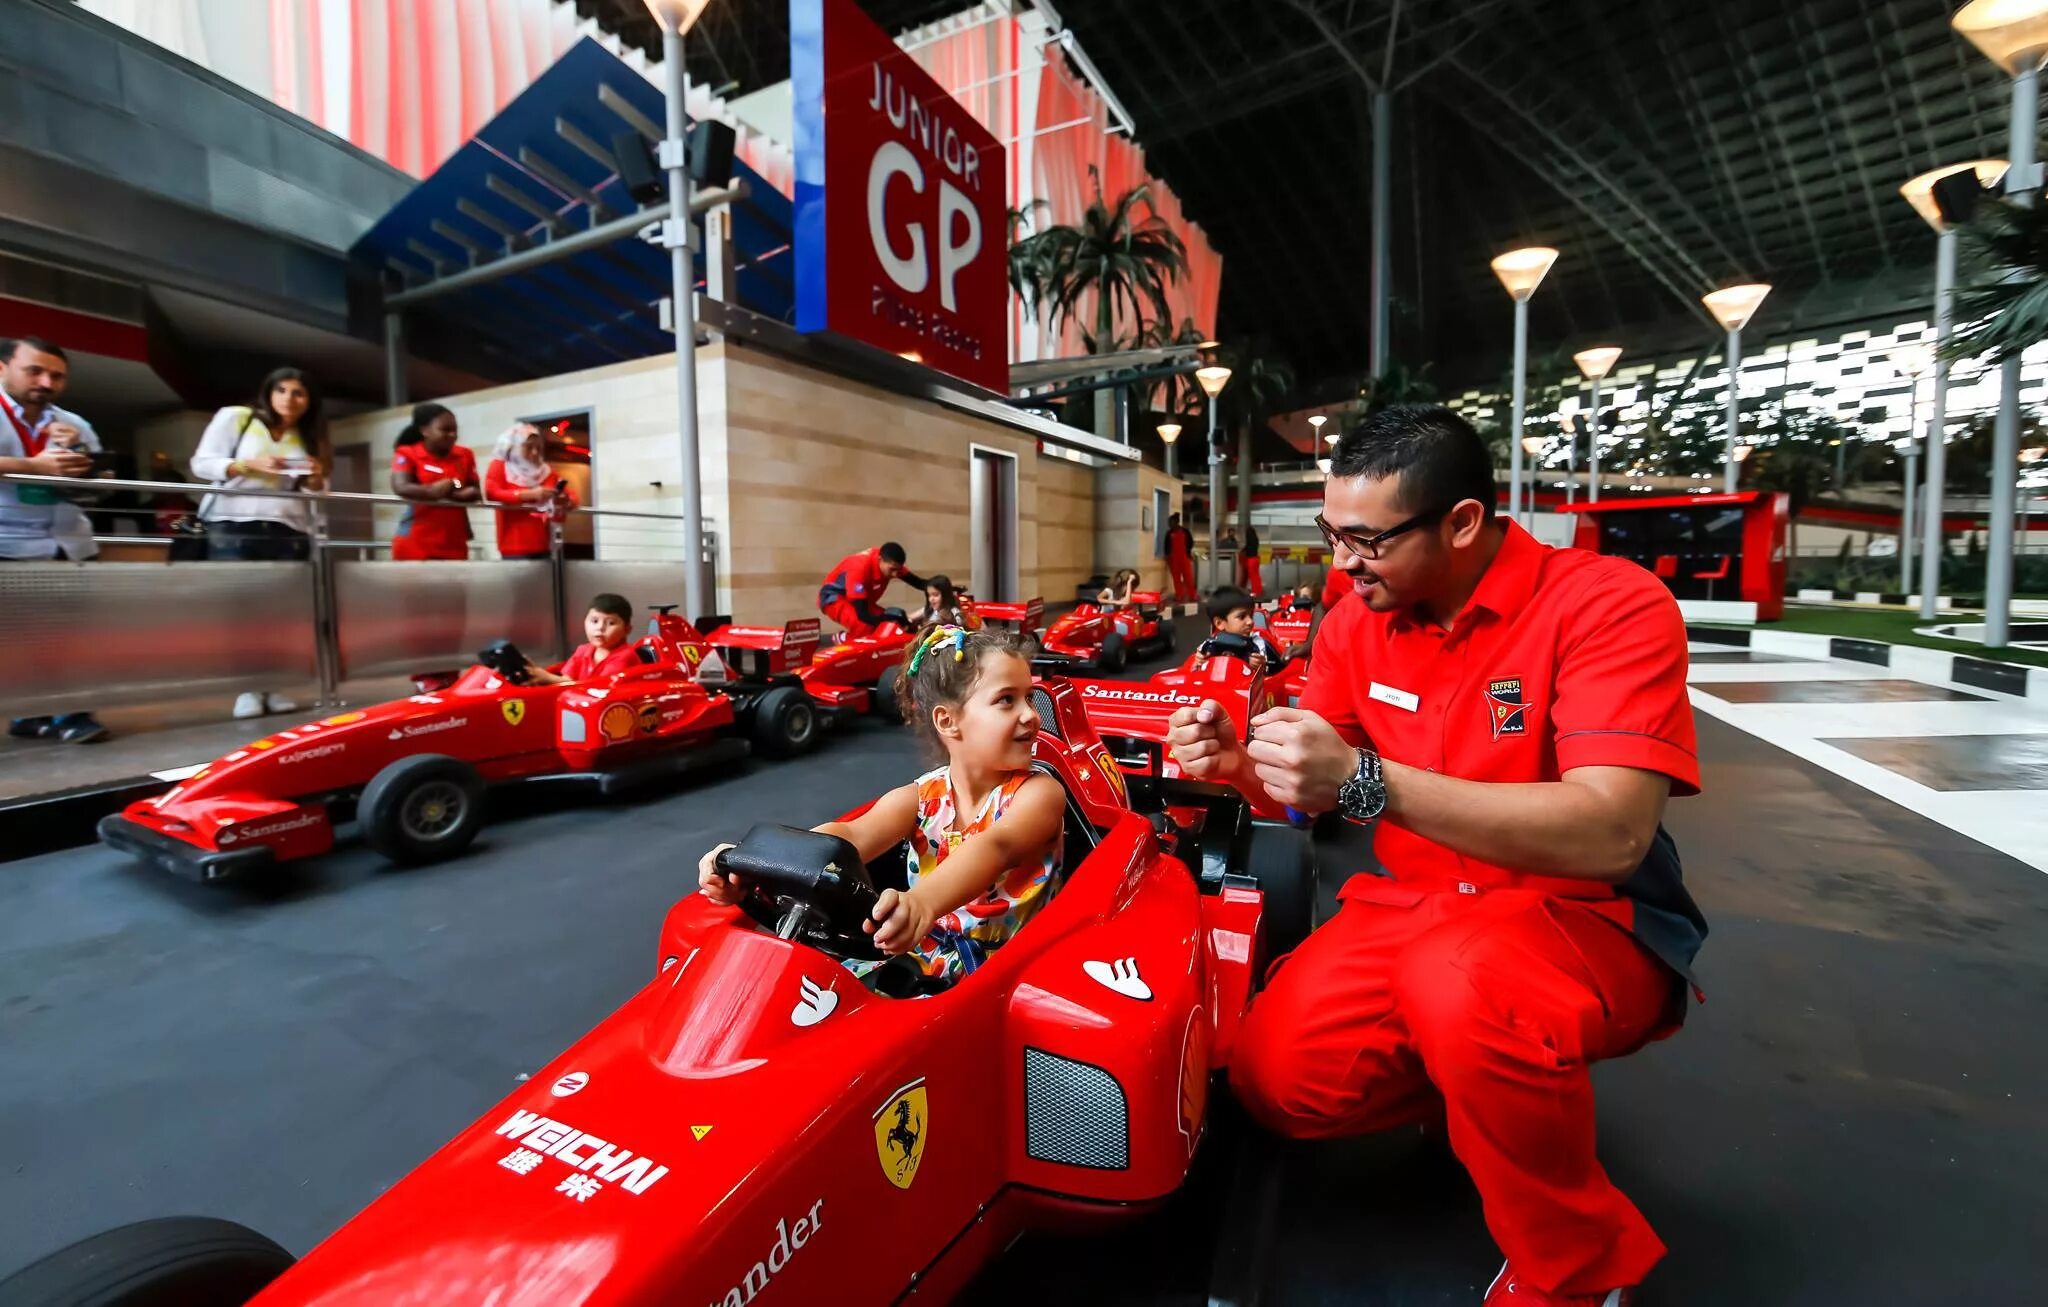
(2014, 35)
(1911, 362)
(1733, 307)
(1521, 272)
(1533, 446)
(1168, 433)
(1594, 365)
(1316, 422)
(674, 18)
(1919, 193)
(1212, 379)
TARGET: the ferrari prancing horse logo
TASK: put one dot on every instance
(514, 710)
(900, 1133)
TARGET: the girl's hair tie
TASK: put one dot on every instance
(935, 637)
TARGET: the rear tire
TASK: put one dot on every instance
(178, 1261)
(785, 722)
(1112, 657)
(1283, 861)
(886, 706)
(422, 809)
(1169, 637)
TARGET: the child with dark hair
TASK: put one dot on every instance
(942, 606)
(1117, 594)
(984, 829)
(605, 651)
(1231, 613)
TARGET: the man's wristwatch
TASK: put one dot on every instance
(1364, 796)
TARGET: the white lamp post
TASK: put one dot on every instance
(1733, 307)
(1317, 421)
(2028, 457)
(1521, 272)
(1212, 380)
(1919, 193)
(1594, 365)
(2014, 35)
(674, 18)
(1911, 362)
(1168, 433)
(1323, 466)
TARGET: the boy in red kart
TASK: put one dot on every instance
(1230, 613)
(852, 591)
(605, 651)
(984, 830)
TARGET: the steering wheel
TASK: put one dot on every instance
(504, 658)
(1229, 646)
(807, 886)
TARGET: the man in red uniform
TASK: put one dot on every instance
(1180, 554)
(1518, 716)
(852, 591)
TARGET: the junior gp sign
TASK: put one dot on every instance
(900, 196)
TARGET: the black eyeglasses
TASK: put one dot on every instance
(1368, 546)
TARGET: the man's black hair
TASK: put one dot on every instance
(616, 605)
(1227, 599)
(1440, 459)
(37, 343)
(893, 553)
(1173, 519)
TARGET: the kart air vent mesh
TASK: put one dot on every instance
(1074, 1114)
(1048, 720)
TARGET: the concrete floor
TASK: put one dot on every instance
(1859, 1113)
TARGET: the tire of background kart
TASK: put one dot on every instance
(176, 1261)
(379, 811)
(785, 722)
(1283, 860)
(886, 706)
(1112, 657)
(1169, 635)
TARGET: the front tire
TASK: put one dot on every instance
(1283, 861)
(785, 722)
(422, 809)
(1112, 657)
(178, 1261)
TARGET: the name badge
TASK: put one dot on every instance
(1399, 698)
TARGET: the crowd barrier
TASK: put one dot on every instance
(102, 634)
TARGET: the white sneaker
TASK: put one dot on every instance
(278, 703)
(249, 705)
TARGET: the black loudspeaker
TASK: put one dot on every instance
(637, 168)
(711, 153)
(1956, 196)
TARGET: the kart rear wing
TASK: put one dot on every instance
(1027, 617)
(762, 652)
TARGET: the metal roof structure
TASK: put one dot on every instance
(1664, 146)
(541, 175)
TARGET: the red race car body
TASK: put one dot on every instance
(845, 676)
(1105, 638)
(414, 770)
(755, 1122)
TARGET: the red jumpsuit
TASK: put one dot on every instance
(1448, 985)
(1180, 544)
(851, 591)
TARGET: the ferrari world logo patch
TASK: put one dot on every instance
(1505, 707)
(514, 710)
(900, 1133)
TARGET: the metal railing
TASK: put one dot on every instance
(135, 630)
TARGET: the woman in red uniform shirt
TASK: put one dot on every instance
(519, 474)
(439, 476)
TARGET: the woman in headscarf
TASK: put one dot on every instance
(519, 474)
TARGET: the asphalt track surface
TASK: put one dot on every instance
(1858, 1114)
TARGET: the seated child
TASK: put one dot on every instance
(605, 628)
(984, 829)
(1230, 613)
(942, 607)
(1117, 594)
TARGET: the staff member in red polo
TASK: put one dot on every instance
(439, 476)
(852, 591)
(1515, 717)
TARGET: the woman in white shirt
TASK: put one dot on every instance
(273, 444)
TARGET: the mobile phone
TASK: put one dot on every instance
(101, 462)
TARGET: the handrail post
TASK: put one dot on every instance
(326, 621)
(558, 582)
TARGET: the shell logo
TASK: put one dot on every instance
(617, 722)
(344, 719)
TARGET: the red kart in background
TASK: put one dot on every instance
(414, 771)
(1289, 621)
(756, 1121)
(1106, 638)
(858, 673)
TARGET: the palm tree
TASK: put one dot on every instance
(1126, 261)
(2003, 299)
(1026, 282)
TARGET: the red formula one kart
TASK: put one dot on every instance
(415, 770)
(858, 673)
(755, 1126)
(1290, 620)
(1106, 639)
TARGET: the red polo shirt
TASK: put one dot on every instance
(1561, 659)
(589, 662)
(437, 530)
(1336, 585)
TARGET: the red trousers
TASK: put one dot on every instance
(1488, 1008)
(1254, 582)
(1183, 569)
(847, 614)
